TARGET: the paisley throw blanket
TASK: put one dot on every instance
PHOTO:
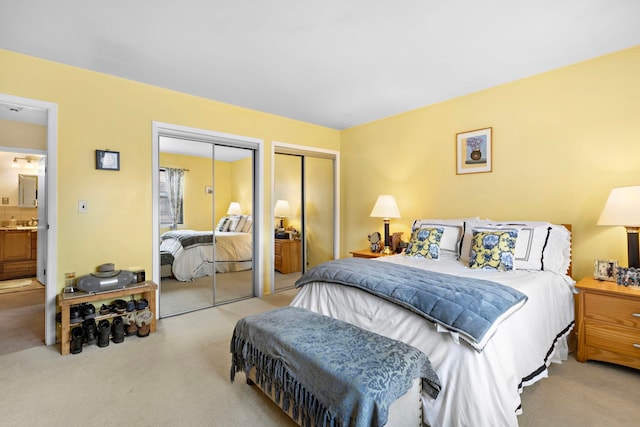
(329, 372)
(190, 238)
(472, 307)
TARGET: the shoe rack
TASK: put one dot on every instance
(146, 290)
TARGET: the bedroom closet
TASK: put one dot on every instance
(205, 206)
(305, 182)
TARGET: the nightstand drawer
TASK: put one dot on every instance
(619, 311)
(617, 339)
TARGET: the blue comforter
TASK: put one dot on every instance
(471, 307)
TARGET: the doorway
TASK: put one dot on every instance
(306, 181)
(29, 138)
(206, 223)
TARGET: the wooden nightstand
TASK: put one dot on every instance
(287, 256)
(608, 323)
(366, 253)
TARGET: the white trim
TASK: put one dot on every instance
(51, 225)
(308, 151)
(167, 129)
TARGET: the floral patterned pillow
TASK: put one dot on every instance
(425, 243)
(493, 250)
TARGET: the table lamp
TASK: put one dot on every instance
(234, 209)
(282, 210)
(385, 208)
(623, 208)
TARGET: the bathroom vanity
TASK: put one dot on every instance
(18, 252)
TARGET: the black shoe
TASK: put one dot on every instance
(117, 330)
(104, 309)
(88, 311)
(75, 314)
(104, 329)
(131, 305)
(142, 304)
(77, 339)
(120, 306)
(90, 331)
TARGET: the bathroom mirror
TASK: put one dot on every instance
(27, 191)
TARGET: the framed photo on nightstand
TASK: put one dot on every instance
(605, 269)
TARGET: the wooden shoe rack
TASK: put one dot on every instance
(146, 290)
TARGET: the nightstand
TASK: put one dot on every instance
(608, 323)
(287, 257)
(366, 253)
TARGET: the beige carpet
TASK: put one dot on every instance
(179, 376)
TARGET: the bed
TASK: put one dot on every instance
(481, 383)
(189, 254)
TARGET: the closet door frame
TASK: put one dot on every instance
(301, 150)
(185, 132)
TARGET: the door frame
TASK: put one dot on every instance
(302, 150)
(48, 225)
(178, 131)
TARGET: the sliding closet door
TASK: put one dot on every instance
(234, 194)
(307, 183)
(318, 210)
(206, 206)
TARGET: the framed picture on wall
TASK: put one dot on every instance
(108, 160)
(474, 151)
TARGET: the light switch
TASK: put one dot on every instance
(83, 206)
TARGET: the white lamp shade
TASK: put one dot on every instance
(234, 209)
(282, 208)
(385, 207)
(622, 207)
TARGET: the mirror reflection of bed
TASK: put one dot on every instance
(206, 242)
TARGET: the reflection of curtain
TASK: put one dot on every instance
(175, 180)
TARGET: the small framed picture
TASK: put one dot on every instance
(474, 151)
(108, 160)
(605, 269)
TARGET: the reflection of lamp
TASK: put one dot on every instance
(623, 208)
(281, 210)
(385, 208)
(234, 209)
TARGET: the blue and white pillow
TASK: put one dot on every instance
(425, 243)
(493, 249)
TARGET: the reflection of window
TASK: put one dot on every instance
(165, 207)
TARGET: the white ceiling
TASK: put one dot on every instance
(335, 63)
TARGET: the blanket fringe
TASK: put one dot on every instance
(272, 376)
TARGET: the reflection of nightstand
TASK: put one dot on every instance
(366, 253)
(608, 322)
(287, 257)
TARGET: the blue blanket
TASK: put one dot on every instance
(471, 307)
(330, 372)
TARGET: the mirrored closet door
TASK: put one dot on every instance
(206, 203)
(304, 228)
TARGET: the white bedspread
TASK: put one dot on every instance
(479, 389)
(233, 252)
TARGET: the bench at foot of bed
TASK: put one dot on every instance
(322, 371)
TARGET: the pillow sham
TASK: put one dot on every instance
(248, 225)
(425, 243)
(557, 252)
(242, 220)
(493, 249)
(223, 224)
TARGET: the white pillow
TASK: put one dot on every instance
(242, 220)
(248, 225)
(531, 243)
(223, 224)
(233, 223)
(451, 237)
(540, 245)
(557, 253)
(467, 237)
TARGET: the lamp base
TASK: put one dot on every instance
(633, 256)
(387, 250)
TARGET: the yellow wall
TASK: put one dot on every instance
(561, 139)
(97, 111)
(241, 185)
